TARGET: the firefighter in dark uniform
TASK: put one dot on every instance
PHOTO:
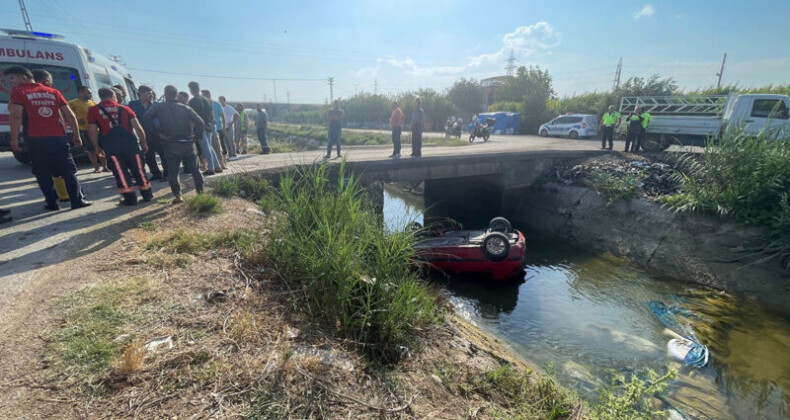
(112, 128)
(42, 111)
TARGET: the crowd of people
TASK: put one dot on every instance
(335, 117)
(198, 133)
(185, 129)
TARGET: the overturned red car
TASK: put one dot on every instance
(497, 252)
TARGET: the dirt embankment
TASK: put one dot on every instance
(701, 249)
(171, 322)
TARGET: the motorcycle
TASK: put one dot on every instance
(481, 130)
(452, 129)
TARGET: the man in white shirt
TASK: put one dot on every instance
(231, 116)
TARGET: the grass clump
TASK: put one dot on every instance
(743, 177)
(630, 399)
(204, 203)
(522, 395)
(251, 187)
(87, 343)
(614, 187)
(225, 186)
(359, 282)
(183, 241)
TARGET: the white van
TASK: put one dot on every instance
(71, 66)
(572, 126)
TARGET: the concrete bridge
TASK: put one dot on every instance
(465, 187)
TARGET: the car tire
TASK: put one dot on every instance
(22, 157)
(573, 135)
(486, 137)
(496, 246)
(543, 133)
(500, 224)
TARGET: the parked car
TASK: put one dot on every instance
(572, 126)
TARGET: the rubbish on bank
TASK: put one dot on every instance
(162, 343)
(217, 296)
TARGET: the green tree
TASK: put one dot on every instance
(532, 87)
(652, 86)
(467, 96)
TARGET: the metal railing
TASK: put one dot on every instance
(712, 105)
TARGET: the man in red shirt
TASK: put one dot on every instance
(42, 111)
(110, 127)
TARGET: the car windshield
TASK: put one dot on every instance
(64, 79)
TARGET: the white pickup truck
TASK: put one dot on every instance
(692, 120)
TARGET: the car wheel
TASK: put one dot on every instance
(573, 135)
(486, 137)
(496, 246)
(22, 157)
(544, 133)
(499, 224)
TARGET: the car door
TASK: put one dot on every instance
(766, 114)
(555, 127)
(571, 123)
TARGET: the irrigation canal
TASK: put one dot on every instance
(586, 317)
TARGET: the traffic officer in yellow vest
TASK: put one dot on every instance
(645, 121)
(609, 123)
(634, 128)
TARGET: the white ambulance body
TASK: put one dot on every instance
(70, 64)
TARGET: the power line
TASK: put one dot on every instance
(282, 79)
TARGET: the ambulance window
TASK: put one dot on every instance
(102, 80)
(130, 89)
(64, 79)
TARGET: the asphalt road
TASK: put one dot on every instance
(37, 238)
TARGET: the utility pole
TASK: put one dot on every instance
(288, 95)
(616, 83)
(331, 81)
(375, 86)
(721, 72)
(28, 26)
(511, 64)
(274, 87)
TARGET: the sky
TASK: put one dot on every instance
(389, 46)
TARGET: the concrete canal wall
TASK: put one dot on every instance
(694, 248)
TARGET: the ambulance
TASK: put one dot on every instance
(71, 66)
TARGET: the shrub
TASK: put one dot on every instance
(631, 399)
(204, 203)
(358, 281)
(743, 177)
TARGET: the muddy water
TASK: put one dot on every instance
(587, 316)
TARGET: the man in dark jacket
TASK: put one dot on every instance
(179, 125)
(203, 108)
